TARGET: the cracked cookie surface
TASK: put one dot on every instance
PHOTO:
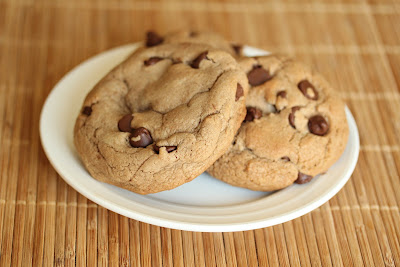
(295, 127)
(197, 37)
(161, 117)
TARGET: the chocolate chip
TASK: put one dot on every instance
(303, 178)
(140, 137)
(198, 59)
(285, 158)
(168, 148)
(87, 111)
(152, 61)
(239, 92)
(237, 48)
(282, 94)
(258, 75)
(291, 116)
(153, 39)
(176, 61)
(193, 34)
(124, 124)
(308, 89)
(318, 125)
(253, 114)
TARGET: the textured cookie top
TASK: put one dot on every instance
(294, 129)
(197, 37)
(162, 117)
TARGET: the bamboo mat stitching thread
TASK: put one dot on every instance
(309, 49)
(254, 7)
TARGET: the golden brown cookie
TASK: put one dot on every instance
(161, 117)
(294, 129)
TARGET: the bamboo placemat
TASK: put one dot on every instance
(355, 44)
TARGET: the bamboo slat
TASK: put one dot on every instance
(155, 246)
(187, 243)
(208, 242)
(354, 44)
(240, 249)
(124, 258)
(198, 249)
(230, 249)
(134, 243)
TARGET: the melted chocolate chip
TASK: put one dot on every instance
(318, 125)
(124, 124)
(193, 34)
(140, 137)
(253, 114)
(291, 116)
(282, 94)
(285, 158)
(198, 59)
(152, 61)
(239, 92)
(258, 75)
(308, 89)
(303, 178)
(237, 48)
(168, 148)
(87, 111)
(153, 39)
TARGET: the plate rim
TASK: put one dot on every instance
(185, 225)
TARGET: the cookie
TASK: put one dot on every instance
(161, 117)
(198, 37)
(294, 129)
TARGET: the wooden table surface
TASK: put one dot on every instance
(355, 44)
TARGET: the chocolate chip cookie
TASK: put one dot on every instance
(294, 129)
(161, 117)
(198, 37)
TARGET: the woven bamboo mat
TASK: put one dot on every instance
(355, 44)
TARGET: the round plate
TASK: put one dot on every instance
(205, 204)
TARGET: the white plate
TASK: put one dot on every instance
(205, 204)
